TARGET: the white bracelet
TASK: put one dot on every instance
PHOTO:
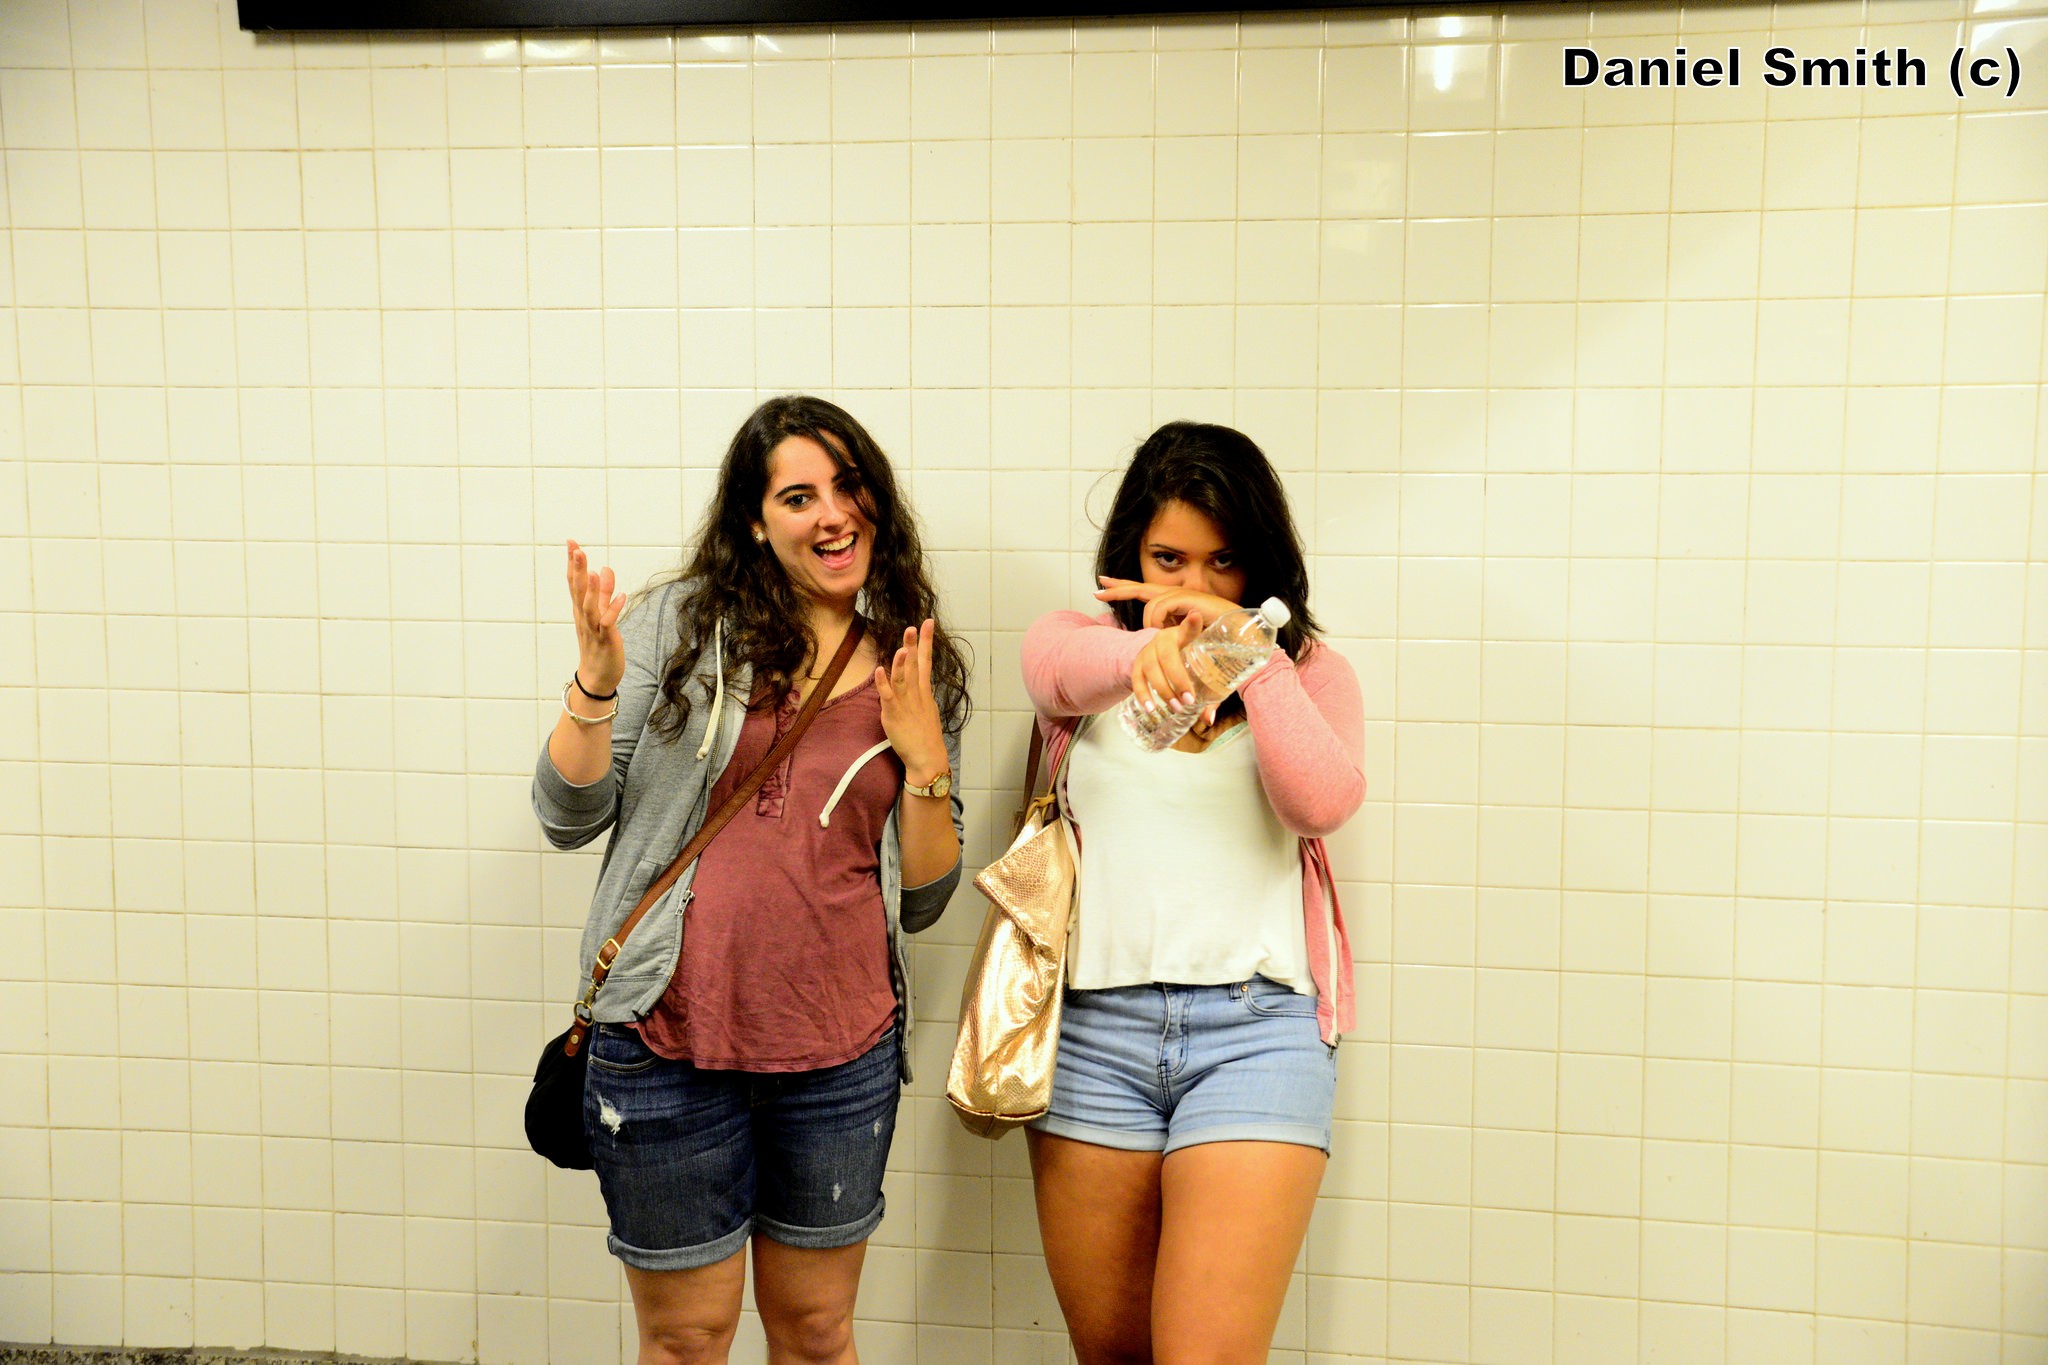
(584, 720)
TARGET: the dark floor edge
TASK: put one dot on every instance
(17, 1353)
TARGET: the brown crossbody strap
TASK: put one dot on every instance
(716, 821)
(1031, 755)
(1035, 749)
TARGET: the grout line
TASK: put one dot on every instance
(1736, 897)
(1478, 975)
(1913, 1157)
(1650, 764)
(327, 842)
(20, 388)
(476, 1237)
(2015, 817)
(1573, 475)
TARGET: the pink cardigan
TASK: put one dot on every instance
(1309, 725)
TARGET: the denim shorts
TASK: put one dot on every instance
(692, 1161)
(1157, 1068)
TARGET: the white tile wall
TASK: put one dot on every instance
(1671, 464)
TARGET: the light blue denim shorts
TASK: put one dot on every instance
(1156, 1068)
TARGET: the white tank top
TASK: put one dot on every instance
(1187, 876)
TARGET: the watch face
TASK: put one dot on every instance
(942, 785)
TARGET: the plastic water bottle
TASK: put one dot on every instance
(1220, 659)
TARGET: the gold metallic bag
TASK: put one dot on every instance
(1010, 1004)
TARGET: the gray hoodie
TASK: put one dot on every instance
(657, 794)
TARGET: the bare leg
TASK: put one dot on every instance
(1233, 1215)
(806, 1300)
(688, 1317)
(1098, 1214)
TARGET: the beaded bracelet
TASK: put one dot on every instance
(585, 720)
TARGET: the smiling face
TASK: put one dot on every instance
(811, 516)
(1185, 548)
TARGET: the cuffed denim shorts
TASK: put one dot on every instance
(1156, 1068)
(691, 1162)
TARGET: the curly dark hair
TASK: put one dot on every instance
(737, 582)
(1221, 473)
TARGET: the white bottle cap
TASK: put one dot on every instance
(1276, 613)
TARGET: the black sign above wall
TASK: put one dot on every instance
(383, 15)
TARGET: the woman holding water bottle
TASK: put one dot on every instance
(1209, 977)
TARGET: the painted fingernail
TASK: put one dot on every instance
(1188, 698)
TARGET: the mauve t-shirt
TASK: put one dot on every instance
(785, 961)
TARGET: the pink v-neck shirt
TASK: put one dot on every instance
(1307, 724)
(785, 961)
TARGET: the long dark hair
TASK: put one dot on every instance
(1221, 473)
(740, 583)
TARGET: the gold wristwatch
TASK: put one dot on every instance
(940, 786)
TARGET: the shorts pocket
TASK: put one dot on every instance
(617, 1049)
(1275, 1000)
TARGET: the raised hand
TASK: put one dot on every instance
(910, 713)
(595, 604)
(1165, 605)
(1158, 677)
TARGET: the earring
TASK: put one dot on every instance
(760, 538)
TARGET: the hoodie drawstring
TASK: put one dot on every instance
(718, 711)
(717, 688)
(845, 779)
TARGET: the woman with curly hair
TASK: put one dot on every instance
(752, 1035)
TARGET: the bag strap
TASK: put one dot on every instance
(1031, 761)
(706, 832)
(1052, 781)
